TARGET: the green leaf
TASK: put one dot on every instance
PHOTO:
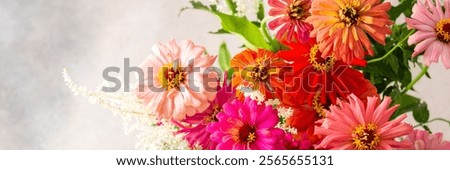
(220, 31)
(405, 7)
(248, 32)
(260, 13)
(232, 6)
(230, 73)
(405, 77)
(224, 57)
(394, 69)
(200, 6)
(257, 23)
(393, 62)
(407, 103)
(421, 113)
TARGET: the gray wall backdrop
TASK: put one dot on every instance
(38, 38)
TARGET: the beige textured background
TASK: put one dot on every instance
(38, 38)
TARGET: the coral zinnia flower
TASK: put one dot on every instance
(356, 125)
(422, 140)
(195, 131)
(433, 31)
(290, 17)
(173, 84)
(258, 70)
(340, 26)
(247, 126)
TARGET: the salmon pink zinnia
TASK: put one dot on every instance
(340, 26)
(290, 18)
(422, 140)
(247, 126)
(433, 31)
(173, 86)
(355, 125)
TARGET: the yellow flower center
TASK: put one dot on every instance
(171, 77)
(296, 11)
(244, 134)
(212, 118)
(260, 72)
(317, 106)
(365, 137)
(327, 65)
(443, 30)
(349, 14)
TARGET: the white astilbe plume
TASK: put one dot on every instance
(159, 136)
(243, 7)
(284, 113)
(258, 96)
(273, 102)
(135, 116)
(253, 94)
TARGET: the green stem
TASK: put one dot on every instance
(266, 33)
(418, 77)
(265, 30)
(432, 120)
(392, 50)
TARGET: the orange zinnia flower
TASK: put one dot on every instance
(258, 70)
(340, 26)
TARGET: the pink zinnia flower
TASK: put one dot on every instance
(173, 84)
(247, 126)
(433, 31)
(422, 140)
(355, 125)
(195, 130)
(290, 18)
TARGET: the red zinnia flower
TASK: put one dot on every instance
(316, 83)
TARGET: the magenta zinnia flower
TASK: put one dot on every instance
(355, 125)
(290, 18)
(247, 126)
(195, 130)
(433, 31)
(173, 86)
(422, 140)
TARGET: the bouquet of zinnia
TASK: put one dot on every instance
(312, 74)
